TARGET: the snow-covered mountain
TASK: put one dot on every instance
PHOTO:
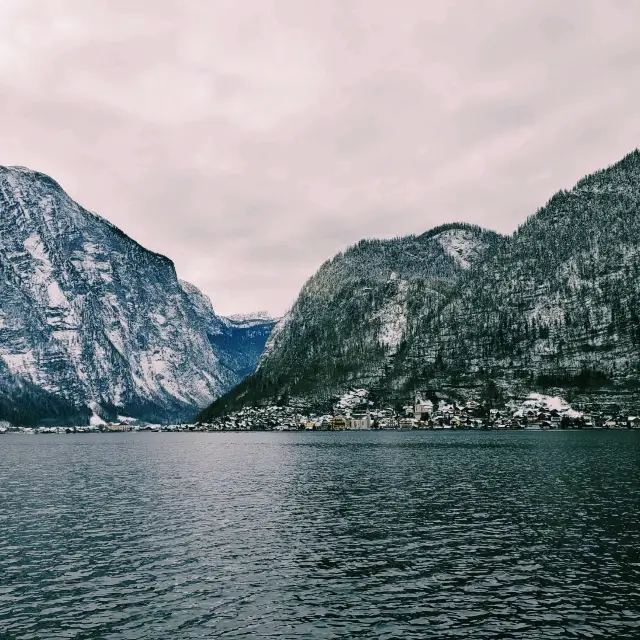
(353, 316)
(250, 319)
(90, 321)
(555, 307)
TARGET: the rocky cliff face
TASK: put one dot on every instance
(555, 307)
(94, 320)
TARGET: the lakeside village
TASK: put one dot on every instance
(355, 411)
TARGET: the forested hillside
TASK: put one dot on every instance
(463, 312)
(351, 316)
(558, 306)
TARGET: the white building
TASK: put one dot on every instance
(422, 408)
(407, 423)
(359, 422)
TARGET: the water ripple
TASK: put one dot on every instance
(320, 535)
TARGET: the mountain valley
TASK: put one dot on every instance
(95, 327)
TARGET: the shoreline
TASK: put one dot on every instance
(75, 431)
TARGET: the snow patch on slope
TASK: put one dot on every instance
(96, 421)
(352, 399)
(21, 364)
(250, 319)
(393, 317)
(541, 402)
(460, 244)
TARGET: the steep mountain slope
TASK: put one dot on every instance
(92, 321)
(554, 307)
(352, 315)
(238, 340)
(21, 402)
(241, 340)
(558, 306)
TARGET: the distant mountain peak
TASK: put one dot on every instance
(254, 316)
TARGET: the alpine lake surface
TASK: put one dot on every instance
(320, 535)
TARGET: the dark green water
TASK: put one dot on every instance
(320, 535)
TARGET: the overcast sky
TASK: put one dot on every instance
(250, 140)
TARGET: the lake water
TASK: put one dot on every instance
(320, 535)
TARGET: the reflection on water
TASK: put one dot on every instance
(320, 535)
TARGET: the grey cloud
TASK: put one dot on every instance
(249, 141)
